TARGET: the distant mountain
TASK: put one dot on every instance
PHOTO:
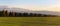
(13, 9)
(47, 12)
(40, 12)
(21, 10)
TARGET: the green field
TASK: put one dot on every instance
(29, 21)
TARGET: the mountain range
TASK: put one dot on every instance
(22, 10)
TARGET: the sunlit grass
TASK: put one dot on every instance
(29, 21)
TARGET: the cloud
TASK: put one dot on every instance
(53, 7)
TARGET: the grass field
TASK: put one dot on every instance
(29, 21)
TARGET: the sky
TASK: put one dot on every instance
(36, 5)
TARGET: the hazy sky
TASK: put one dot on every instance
(51, 5)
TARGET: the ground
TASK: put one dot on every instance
(29, 21)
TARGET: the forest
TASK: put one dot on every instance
(15, 14)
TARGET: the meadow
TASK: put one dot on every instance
(29, 21)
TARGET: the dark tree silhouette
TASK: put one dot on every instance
(16, 14)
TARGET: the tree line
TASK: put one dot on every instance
(15, 14)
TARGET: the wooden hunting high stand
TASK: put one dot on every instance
(5, 13)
